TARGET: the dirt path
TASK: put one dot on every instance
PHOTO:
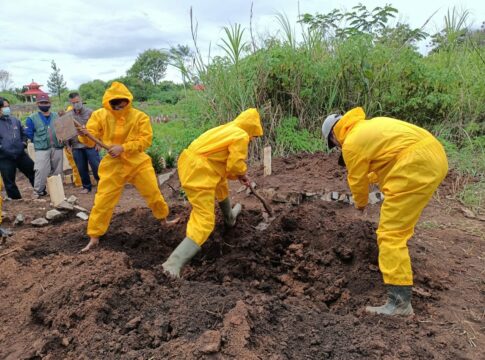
(294, 290)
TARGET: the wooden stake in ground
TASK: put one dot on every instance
(55, 189)
(267, 160)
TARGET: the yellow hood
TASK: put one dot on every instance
(347, 122)
(250, 122)
(117, 90)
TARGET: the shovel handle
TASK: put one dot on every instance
(91, 137)
(263, 200)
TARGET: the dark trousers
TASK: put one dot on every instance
(8, 169)
(82, 157)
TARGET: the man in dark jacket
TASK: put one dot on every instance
(48, 149)
(12, 151)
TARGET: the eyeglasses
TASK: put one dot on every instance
(116, 102)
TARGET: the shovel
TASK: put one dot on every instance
(91, 137)
(263, 200)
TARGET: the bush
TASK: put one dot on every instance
(291, 138)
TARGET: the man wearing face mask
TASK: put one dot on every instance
(12, 151)
(83, 155)
(48, 150)
(128, 133)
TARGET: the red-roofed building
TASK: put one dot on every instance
(33, 90)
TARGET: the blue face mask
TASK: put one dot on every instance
(6, 111)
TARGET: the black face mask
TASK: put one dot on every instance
(44, 108)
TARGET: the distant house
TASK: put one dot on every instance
(199, 87)
(33, 90)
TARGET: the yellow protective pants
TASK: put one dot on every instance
(113, 178)
(408, 187)
(202, 185)
(75, 172)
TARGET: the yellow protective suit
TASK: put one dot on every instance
(75, 172)
(204, 167)
(408, 163)
(130, 128)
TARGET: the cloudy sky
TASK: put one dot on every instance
(100, 39)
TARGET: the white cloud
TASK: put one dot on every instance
(101, 39)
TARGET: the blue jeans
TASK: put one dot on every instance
(82, 157)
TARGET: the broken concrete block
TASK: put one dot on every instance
(53, 214)
(248, 190)
(374, 197)
(80, 208)
(468, 213)
(294, 198)
(268, 193)
(82, 216)
(65, 206)
(39, 222)
(19, 220)
(165, 177)
(327, 197)
(72, 199)
(279, 198)
(310, 195)
(241, 189)
(262, 226)
(342, 197)
(334, 196)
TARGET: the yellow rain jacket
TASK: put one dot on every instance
(130, 128)
(408, 163)
(204, 167)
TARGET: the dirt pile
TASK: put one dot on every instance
(295, 290)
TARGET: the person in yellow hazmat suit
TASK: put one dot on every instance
(204, 168)
(408, 164)
(128, 133)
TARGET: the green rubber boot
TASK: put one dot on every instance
(182, 254)
(398, 302)
(230, 214)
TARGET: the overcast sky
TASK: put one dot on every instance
(101, 39)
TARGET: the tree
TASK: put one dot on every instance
(93, 90)
(56, 83)
(5, 80)
(150, 65)
(181, 57)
